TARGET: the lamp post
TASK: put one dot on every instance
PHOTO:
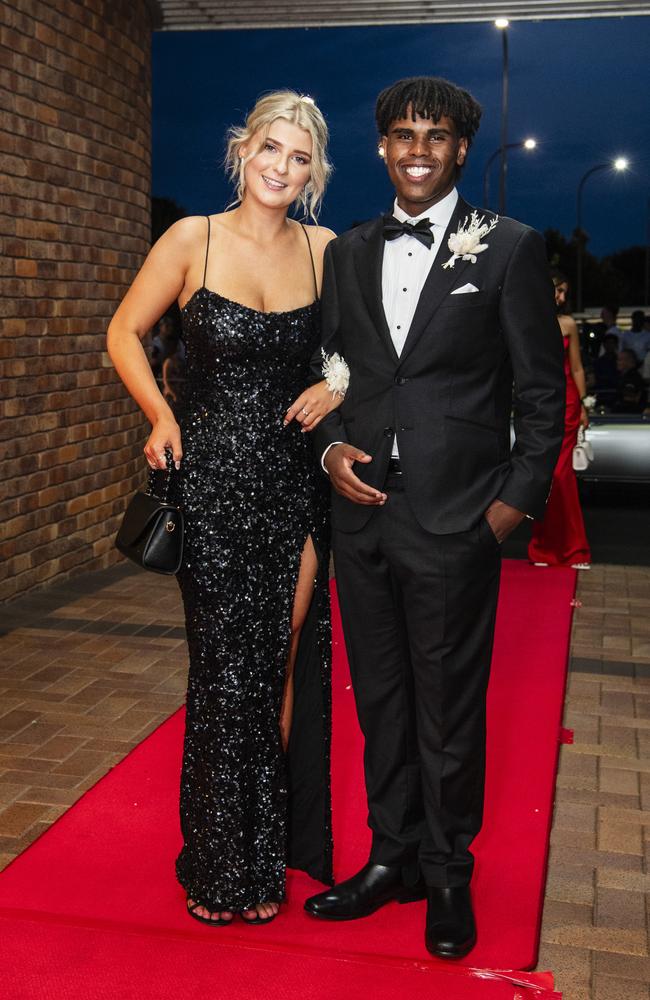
(619, 164)
(502, 24)
(524, 144)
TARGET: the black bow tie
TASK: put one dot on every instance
(421, 230)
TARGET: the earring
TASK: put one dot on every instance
(380, 151)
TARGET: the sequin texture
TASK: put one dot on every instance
(252, 495)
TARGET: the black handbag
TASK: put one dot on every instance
(152, 529)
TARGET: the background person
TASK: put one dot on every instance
(559, 538)
(605, 370)
(631, 391)
(638, 338)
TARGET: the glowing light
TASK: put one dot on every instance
(501, 22)
(530, 143)
(620, 163)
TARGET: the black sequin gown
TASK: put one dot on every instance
(252, 495)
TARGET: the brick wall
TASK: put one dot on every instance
(74, 225)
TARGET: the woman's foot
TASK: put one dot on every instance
(217, 918)
(263, 913)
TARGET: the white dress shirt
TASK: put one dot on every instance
(405, 269)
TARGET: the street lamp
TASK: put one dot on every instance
(524, 144)
(502, 24)
(619, 164)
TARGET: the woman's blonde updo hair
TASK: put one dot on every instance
(300, 111)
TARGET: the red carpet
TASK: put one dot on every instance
(92, 909)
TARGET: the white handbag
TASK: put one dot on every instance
(583, 453)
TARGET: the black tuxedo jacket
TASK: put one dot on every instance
(449, 395)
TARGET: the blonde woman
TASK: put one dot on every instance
(254, 787)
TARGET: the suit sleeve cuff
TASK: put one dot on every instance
(322, 458)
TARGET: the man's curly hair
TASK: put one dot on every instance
(429, 97)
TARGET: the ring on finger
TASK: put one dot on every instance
(306, 412)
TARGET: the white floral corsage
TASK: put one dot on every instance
(588, 402)
(336, 373)
(466, 242)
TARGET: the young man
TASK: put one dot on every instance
(425, 489)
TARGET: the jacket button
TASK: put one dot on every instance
(388, 432)
(400, 380)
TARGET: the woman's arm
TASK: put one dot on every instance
(570, 329)
(317, 400)
(166, 388)
(158, 283)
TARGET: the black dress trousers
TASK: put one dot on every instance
(418, 614)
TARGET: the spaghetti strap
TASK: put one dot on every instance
(207, 250)
(311, 257)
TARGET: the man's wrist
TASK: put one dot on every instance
(521, 512)
(323, 456)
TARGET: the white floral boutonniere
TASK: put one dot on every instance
(466, 242)
(336, 373)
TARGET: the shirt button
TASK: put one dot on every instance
(405, 289)
(399, 327)
(410, 254)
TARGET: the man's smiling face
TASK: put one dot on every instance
(422, 158)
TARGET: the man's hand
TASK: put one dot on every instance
(503, 519)
(339, 461)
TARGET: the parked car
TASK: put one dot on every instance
(621, 446)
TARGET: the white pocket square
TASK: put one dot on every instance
(469, 287)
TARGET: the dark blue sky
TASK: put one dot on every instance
(580, 87)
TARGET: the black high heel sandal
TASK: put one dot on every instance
(218, 922)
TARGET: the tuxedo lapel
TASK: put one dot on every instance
(368, 260)
(439, 281)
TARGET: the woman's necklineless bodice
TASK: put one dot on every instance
(240, 305)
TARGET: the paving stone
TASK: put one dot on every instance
(571, 967)
(575, 816)
(628, 942)
(17, 817)
(16, 720)
(622, 966)
(50, 796)
(82, 763)
(619, 835)
(613, 779)
(570, 883)
(60, 747)
(611, 988)
(620, 908)
(559, 912)
(596, 798)
(9, 791)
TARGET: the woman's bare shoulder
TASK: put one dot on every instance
(320, 236)
(186, 232)
(568, 326)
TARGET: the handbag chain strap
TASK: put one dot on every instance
(155, 476)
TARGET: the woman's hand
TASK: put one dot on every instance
(584, 416)
(165, 433)
(312, 405)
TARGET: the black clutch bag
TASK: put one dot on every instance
(152, 529)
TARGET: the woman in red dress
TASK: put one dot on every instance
(560, 539)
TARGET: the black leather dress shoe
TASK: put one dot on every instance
(450, 928)
(365, 892)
